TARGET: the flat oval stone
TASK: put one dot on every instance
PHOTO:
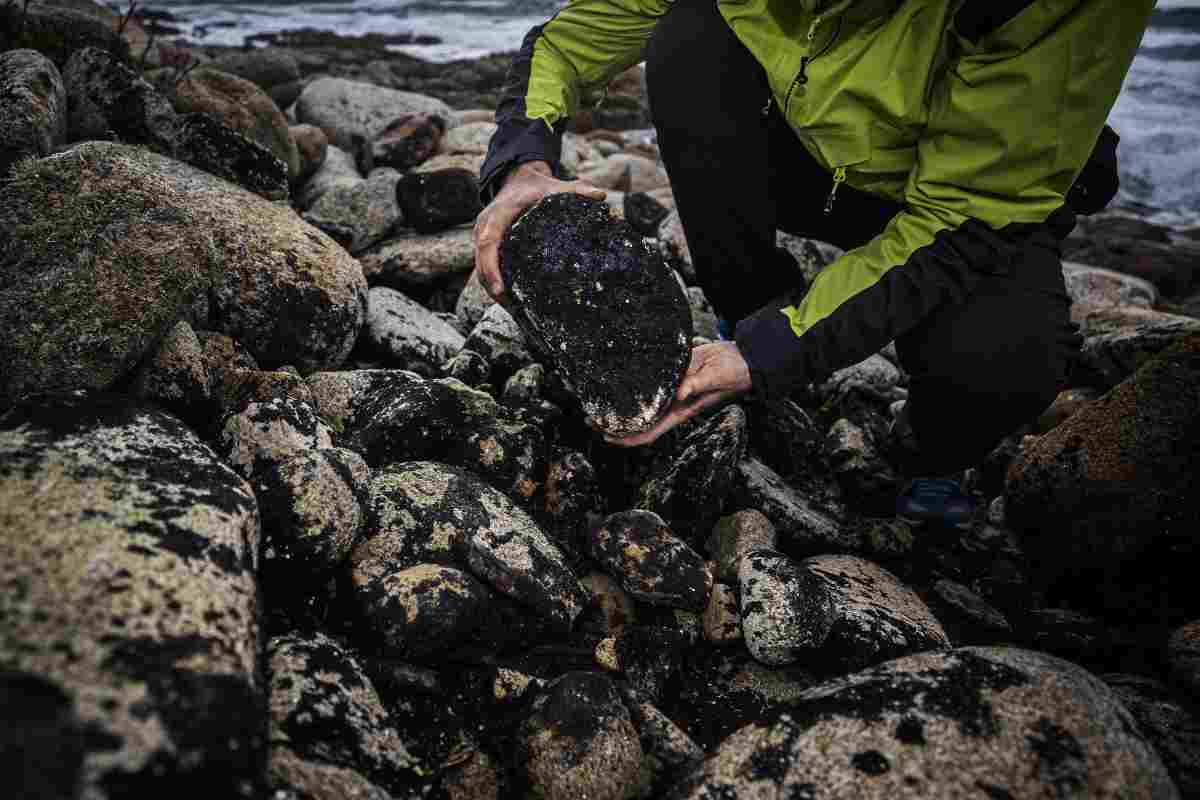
(604, 309)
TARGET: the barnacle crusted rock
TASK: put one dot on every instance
(601, 306)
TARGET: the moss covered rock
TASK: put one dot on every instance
(358, 214)
(1113, 492)
(129, 565)
(971, 722)
(107, 247)
(604, 310)
(33, 107)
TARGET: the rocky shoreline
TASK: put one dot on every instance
(290, 509)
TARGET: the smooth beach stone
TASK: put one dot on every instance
(408, 141)
(405, 332)
(470, 137)
(128, 560)
(312, 146)
(33, 121)
(499, 339)
(1097, 286)
(337, 168)
(473, 301)
(209, 144)
(786, 611)
(360, 214)
(325, 710)
(604, 310)
(737, 534)
(579, 741)
(347, 109)
(652, 563)
(972, 722)
(802, 525)
(436, 201)
(420, 260)
(422, 611)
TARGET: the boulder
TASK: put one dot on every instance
(132, 592)
(438, 200)
(419, 261)
(1118, 340)
(652, 564)
(34, 102)
(325, 711)
(314, 507)
(56, 33)
(347, 109)
(427, 512)
(273, 69)
(207, 143)
(690, 491)
(604, 310)
(578, 741)
(337, 168)
(1097, 287)
(804, 526)
(974, 721)
(109, 100)
(1110, 494)
(499, 339)
(423, 611)
(268, 433)
(358, 214)
(176, 376)
(345, 399)
(108, 245)
(406, 333)
(312, 146)
(408, 141)
(241, 105)
(736, 535)
(786, 612)
(1168, 724)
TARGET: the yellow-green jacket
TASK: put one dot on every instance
(972, 114)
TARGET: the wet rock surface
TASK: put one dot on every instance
(601, 307)
(650, 561)
(406, 333)
(435, 201)
(1002, 722)
(158, 636)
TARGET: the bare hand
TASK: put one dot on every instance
(526, 185)
(717, 372)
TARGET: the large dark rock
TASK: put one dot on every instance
(603, 308)
(56, 33)
(33, 107)
(1111, 494)
(652, 563)
(109, 100)
(128, 564)
(973, 722)
(207, 143)
(408, 140)
(435, 201)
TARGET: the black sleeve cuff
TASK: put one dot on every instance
(772, 351)
(516, 142)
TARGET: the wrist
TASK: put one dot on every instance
(531, 168)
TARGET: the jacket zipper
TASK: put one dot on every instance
(839, 177)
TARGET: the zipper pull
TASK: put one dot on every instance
(839, 177)
(767, 108)
(803, 76)
(812, 29)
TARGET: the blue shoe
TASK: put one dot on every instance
(724, 330)
(935, 500)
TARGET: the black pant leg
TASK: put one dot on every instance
(981, 368)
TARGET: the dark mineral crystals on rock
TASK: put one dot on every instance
(603, 308)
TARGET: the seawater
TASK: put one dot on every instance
(1157, 113)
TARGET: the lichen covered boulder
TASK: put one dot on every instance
(33, 107)
(579, 741)
(652, 563)
(991, 722)
(128, 563)
(602, 307)
(110, 100)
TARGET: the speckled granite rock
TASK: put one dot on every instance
(691, 490)
(133, 591)
(348, 109)
(1118, 340)
(975, 721)
(408, 140)
(579, 741)
(110, 100)
(604, 310)
(499, 339)
(738, 534)
(667, 749)
(34, 119)
(786, 611)
(325, 711)
(405, 332)
(359, 214)
(473, 302)
(313, 509)
(266, 434)
(802, 524)
(210, 145)
(652, 563)
(428, 512)
(337, 168)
